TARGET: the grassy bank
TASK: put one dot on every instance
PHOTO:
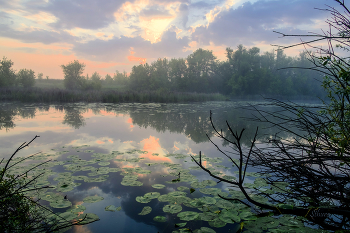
(49, 95)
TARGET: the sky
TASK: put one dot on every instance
(111, 35)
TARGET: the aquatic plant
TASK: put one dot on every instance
(20, 211)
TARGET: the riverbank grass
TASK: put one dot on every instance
(48, 95)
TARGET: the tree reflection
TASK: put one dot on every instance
(73, 117)
(191, 120)
(8, 113)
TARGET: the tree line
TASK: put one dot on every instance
(244, 72)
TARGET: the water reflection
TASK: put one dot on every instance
(73, 117)
(191, 120)
(8, 113)
(158, 129)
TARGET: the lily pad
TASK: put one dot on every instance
(111, 208)
(173, 209)
(206, 230)
(88, 218)
(158, 186)
(60, 204)
(104, 163)
(146, 210)
(142, 199)
(182, 224)
(159, 219)
(208, 200)
(68, 216)
(152, 195)
(78, 208)
(92, 199)
(188, 215)
(224, 204)
(177, 194)
(217, 223)
(182, 188)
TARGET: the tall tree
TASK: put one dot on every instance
(159, 74)
(40, 76)
(26, 77)
(178, 74)
(108, 79)
(140, 77)
(7, 74)
(73, 78)
(201, 65)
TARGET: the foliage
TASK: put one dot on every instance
(7, 74)
(73, 78)
(19, 212)
(120, 78)
(93, 83)
(108, 79)
(245, 72)
(40, 76)
(26, 77)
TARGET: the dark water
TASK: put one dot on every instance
(123, 132)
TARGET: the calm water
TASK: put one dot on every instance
(124, 137)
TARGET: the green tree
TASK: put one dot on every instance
(96, 81)
(201, 66)
(40, 76)
(7, 74)
(108, 79)
(140, 77)
(121, 78)
(178, 74)
(26, 77)
(92, 83)
(159, 74)
(73, 78)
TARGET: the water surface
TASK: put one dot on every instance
(144, 141)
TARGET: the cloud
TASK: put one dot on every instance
(253, 22)
(87, 14)
(118, 49)
(33, 35)
(203, 5)
(154, 12)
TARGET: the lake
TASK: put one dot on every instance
(129, 163)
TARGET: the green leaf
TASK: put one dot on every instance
(146, 210)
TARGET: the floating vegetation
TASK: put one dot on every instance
(77, 208)
(159, 219)
(173, 209)
(146, 210)
(89, 217)
(188, 215)
(158, 186)
(205, 203)
(112, 208)
(92, 199)
(104, 163)
(60, 203)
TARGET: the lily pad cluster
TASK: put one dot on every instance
(206, 206)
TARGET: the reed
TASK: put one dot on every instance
(46, 95)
